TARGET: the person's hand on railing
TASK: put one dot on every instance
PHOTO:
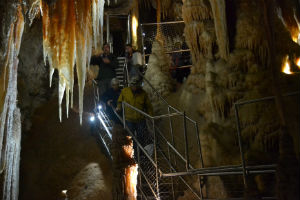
(118, 109)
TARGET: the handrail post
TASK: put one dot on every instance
(123, 113)
(125, 71)
(172, 179)
(143, 48)
(186, 143)
(155, 157)
(240, 144)
(139, 167)
(200, 157)
(199, 145)
(171, 131)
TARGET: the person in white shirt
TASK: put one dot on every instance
(134, 61)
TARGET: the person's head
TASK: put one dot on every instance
(106, 48)
(115, 83)
(128, 49)
(135, 83)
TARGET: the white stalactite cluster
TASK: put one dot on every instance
(10, 117)
(70, 29)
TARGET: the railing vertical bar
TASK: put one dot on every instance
(143, 47)
(240, 144)
(155, 158)
(123, 112)
(186, 143)
(200, 157)
(199, 145)
(139, 167)
(172, 133)
(172, 179)
(107, 30)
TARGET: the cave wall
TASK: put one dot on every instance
(33, 74)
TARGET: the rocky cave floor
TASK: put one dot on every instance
(62, 156)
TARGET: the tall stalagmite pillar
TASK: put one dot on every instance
(124, 166)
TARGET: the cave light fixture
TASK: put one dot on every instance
(92, 118)
(134, 30)
(298, 62)
(296, 39)
(99, 107)
(286, 68)
(64, 193)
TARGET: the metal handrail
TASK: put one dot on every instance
(133, 137)
(242, 169)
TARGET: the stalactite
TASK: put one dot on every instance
(69, 27)
(10, 120)
(288, 12)
(195, 10)
(34, 11)
(159, 34)
(219, 12)
(250, 34)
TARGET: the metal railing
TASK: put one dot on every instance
(148, 35)
(173, 166)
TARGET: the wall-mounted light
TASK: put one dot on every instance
(92, 118)
(134, 25)
(64, 193)
(286, 66)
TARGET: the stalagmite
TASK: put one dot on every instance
(125, 168)
(219, 12)
(69, 29)
(131, 172)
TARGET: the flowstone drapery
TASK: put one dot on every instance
(10, 116)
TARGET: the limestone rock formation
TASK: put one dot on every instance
(158, 75)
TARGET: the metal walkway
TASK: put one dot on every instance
(171, 163)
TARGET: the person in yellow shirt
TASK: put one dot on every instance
(138, 98)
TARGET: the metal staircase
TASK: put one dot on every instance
(172, 162)
(120, 71)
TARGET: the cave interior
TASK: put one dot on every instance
(234, 128)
